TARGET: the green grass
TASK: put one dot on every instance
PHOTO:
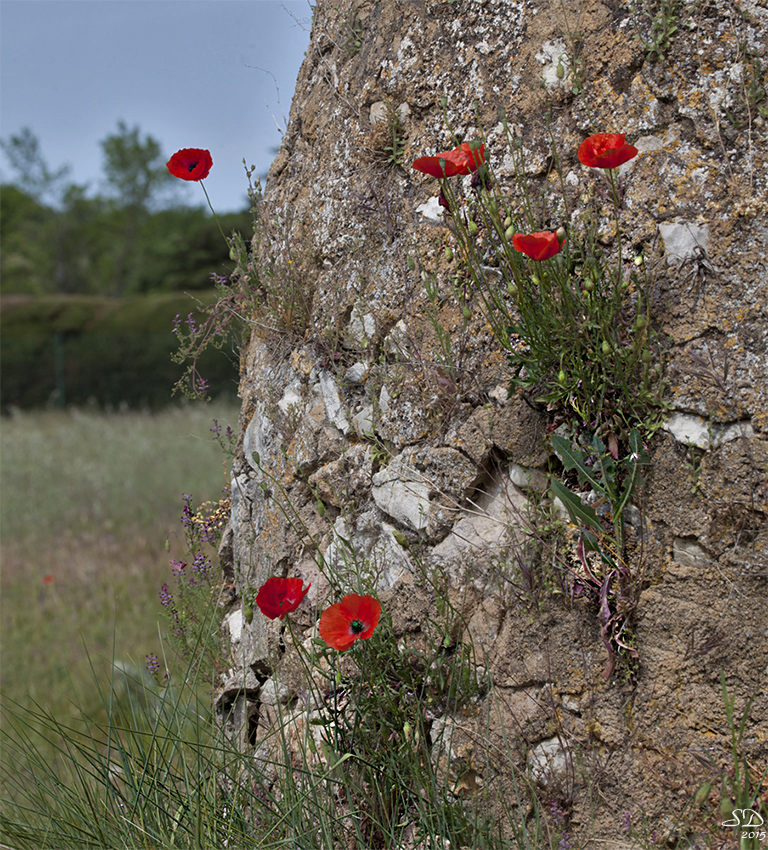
(88, 502)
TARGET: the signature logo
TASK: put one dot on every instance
(745, 817)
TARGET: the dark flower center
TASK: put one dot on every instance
(356, 626)
(191, 166)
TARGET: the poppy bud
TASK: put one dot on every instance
(411, 263)
(562, 377)
(606, 347)
(535, 280)
(508, 222)
(639, 260)
(466, 312)
(448, 254)
(510, 232)
(640, 322)
(247, 613)
(589, 285)
(702, 794)
(560, 233)
(647, 356)
(493, 206)
(512, 290)
(472, 228)
(726, 807)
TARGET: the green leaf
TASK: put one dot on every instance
(574, 459)
(579, 513)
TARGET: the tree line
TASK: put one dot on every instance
(133, 236)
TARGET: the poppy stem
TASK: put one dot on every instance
(218, 223)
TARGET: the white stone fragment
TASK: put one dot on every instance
(362, 422)
(554, 55)
(683, 241)
(396, 342)
(548, 761)
(384, 398)
(692, 430)
(291, 397)
(402, 496)
(689, 553)
(649, 143)
(361, 327)
(333, 409)
(235, 624)
(528, 479)
(256, 436)
(356, 374)
(432, 210)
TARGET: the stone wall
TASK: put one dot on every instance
(355, 439)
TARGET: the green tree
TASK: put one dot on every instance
(135, 175)
(33, 175)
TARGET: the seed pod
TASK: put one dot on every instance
(472, 228)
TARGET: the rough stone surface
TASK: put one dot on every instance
(364, 442)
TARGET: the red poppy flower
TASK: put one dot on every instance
(465, 159)
(346, 621)
(279, 596)
(190, 164)
(538, 246)
(606, 150)
(47, 579)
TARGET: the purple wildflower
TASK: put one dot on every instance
(202, 565)
(166, 597)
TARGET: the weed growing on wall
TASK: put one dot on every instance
(571, 309)
(190, 601)
(269, 291)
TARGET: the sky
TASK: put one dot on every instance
(215, 74)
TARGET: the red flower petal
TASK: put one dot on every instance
(279, 596)
(346, 621)
(190, 164)
(465, 159)
(606, 150)
(538, 246)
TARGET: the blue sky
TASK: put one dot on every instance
(216, 74)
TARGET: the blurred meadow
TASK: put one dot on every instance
(89, 518)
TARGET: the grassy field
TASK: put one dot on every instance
(90, 504)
